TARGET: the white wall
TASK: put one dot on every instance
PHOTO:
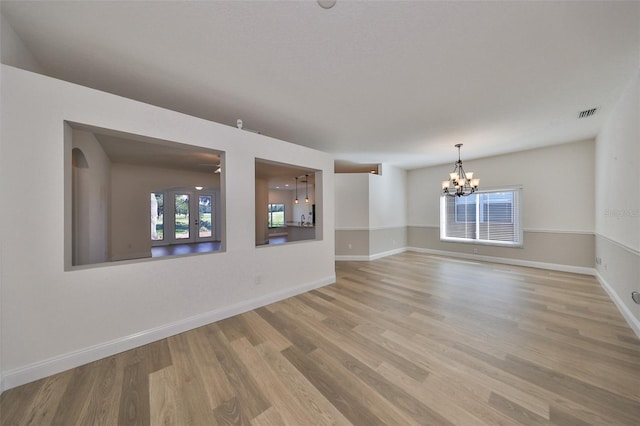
(130, 189)
(557, 186)
(557, 201)
(54, 319)
(618, 172)
(352, 199)
(617, 205)
(371, 218)
(388, 198)
(92, 192)
(352, 216)
(387, 211)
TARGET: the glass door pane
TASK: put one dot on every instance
(205, 229)
(181, 220)
(157, 216)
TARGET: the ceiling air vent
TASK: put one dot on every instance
(587, 113)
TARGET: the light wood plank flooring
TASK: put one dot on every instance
(408, 339)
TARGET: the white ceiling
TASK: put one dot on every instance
(283, 176)
(122, 147)
(384, 81)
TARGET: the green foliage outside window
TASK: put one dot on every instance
(276, 215)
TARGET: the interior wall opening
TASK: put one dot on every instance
(288, 203)
(116, 179)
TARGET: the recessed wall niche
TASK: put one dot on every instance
(132, 197)
(288, 203)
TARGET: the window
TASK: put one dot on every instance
(276, 215)
(487, 217)
(465, 208)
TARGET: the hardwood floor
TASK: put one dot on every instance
(408, 339)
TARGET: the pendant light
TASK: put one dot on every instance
(297, 190)
(306, 187)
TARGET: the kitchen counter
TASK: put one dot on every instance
(301, 232)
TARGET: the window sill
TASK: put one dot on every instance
(483, 242)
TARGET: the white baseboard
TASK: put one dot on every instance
(633, 322)
(349, 258)
(387, 253)
(367, 258)
(507, 261)
(47, 367)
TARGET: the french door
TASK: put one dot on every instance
(183, 217)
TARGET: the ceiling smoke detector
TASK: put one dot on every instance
(587, 113)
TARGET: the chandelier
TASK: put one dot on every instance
(460, 183)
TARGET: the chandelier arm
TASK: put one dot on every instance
(454, 189)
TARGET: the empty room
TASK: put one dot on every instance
(318, 212)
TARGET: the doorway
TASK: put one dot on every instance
(184, 216)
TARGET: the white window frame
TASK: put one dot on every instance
(518, 239)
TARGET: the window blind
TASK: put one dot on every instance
(488, 217)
